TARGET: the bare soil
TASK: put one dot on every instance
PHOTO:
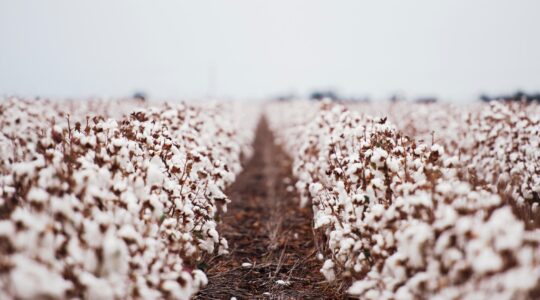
(266, 228)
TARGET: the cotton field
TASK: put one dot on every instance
(129, 199)
(420, 201)
(110, 200)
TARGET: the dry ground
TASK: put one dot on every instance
(266, 228)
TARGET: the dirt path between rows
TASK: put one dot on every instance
(266, 228)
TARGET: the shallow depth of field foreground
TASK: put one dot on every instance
(127, 199)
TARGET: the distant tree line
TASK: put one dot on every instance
(517, 96)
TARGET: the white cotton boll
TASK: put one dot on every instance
(412, 241)
(444, 188)
(442, 243)
(199, 279)
(132, 203)
(508, 231)
(421, 278)
(360, 287)
(452, 256)
(117, 142)
(89, 260)
(92, 234)
(128, 233)
(154, 175)
(463, 225)
(157, 205)
(395, 267)
(32, 280)
(36, 222)
(388, 239)
(115, 254)
(315, 188)
(535, 207)
(169, 114)
(513, 156)
(450, 161)
(328, 270)
(379, 156)
(422, 199)
(169, 185)
(213, 234)
(520, 279)
(420, 149)
(7, 228)
(462, 188)
(378, 183)
(169, 223)
(527, 194)
(321, 219)
(216, 192)
(485, 261)
(346, 244)
(377, 210)
(379, 247)
(96, 288)
(223, 246)
(67, 206)
(419, 177)
(207, 245)
(75, 251)
(437, 149)
(37, 195)
(486, 199)
(393, 164)
(283, 282)
(526, 256)
(353, 168)
(91, 141)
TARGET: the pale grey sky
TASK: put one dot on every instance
(453, 49)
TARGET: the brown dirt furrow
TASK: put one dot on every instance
(266, 227)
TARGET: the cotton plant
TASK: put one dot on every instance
(402, 218)
(357, 168)
(506, 151)
(496, 144)
(468, 248)
(115, 208)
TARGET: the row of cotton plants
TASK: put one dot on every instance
(399, 220)
(498, 144)
(113, 208)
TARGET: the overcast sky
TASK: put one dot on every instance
(250, 48)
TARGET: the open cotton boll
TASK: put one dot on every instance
(328, 270)
(486, 260)
(32, 280)
(379, 157)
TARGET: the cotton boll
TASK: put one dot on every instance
(379, 157)
(393, 164)
(328, 270)
(361, 287)
(315, 188)
(37, 195)
(486, 260)
(31, 280)
(114, 255)
(97, 288)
